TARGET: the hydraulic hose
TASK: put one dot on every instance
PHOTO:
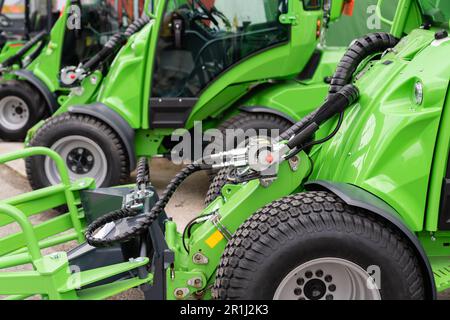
(115, 42)
(342, 94)
(30, 44)
(144, 221)
(358, 51)
(143, 172)
(36, 52)
(336, 104)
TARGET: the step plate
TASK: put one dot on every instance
(441, 270)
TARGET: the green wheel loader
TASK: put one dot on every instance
(32, 87)
(229, 64)
(351, 202)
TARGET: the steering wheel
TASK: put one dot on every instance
(209, 15)
(5, 21)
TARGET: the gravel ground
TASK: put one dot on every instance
(183, 206)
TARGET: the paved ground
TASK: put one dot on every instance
(183, 206)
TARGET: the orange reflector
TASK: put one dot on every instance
(214, 239)
(349, 6)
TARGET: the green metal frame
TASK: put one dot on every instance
(51, 276)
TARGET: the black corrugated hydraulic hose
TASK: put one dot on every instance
(146, 220)
(115, 42)
(359, 50)
(143, 172)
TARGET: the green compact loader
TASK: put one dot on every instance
(32, 86)
(351, 202)
(256, 64)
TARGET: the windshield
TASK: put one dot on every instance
(363, 21)
(436, 11)
(16, 19)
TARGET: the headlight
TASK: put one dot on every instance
(418, 93)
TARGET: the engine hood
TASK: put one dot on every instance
(387, 139)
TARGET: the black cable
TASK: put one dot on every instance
(297, 150)
(330, 136)
(147, 219)
(143, 172)
(188, 228)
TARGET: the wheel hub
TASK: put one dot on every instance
(84, 159)
(315, 289)
(315, 285)
(14, 114)
(327, 279)
(80, 160)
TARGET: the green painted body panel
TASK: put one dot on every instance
(125, 95)
(386, 143)
(284, 95)
(10, 48)
(47, 65)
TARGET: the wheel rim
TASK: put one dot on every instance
(14, 113)
(327, 279)
(84, 159)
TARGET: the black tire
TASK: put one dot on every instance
(35, 106)
(215, 188)
(66, 125)
(300, 228)
(248, 121)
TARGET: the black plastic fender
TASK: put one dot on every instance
(360, 198)
(40, 86)
(115, 121)
(263, 109)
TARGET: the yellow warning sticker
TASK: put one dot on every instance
(214, 239)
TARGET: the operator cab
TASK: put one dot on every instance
(92, 25)
(200, 39)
